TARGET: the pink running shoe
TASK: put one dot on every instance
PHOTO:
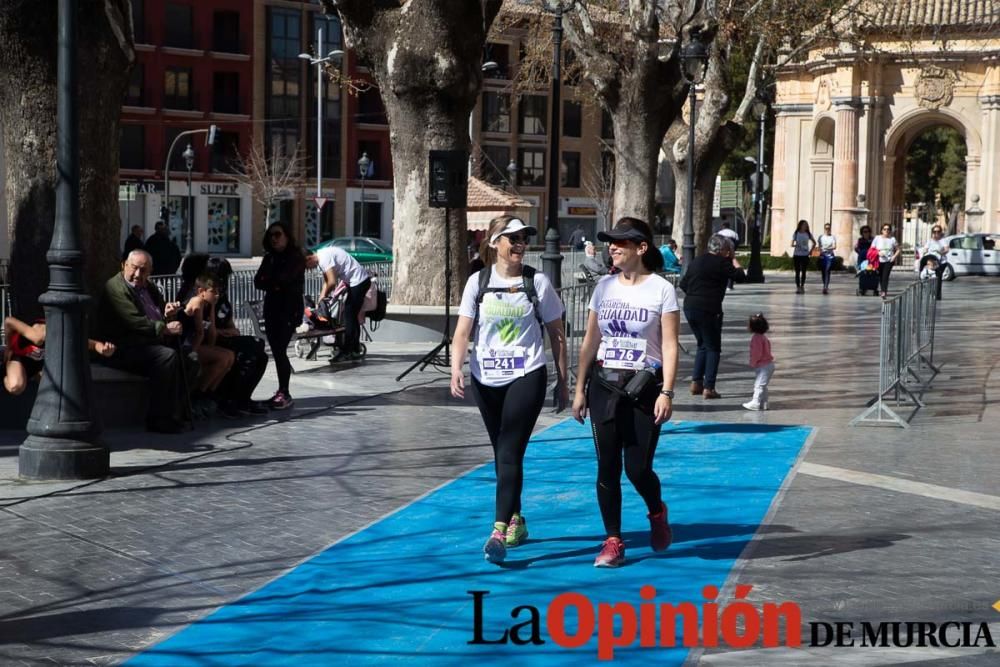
(612, 553)
(495, 549)
(660, 535)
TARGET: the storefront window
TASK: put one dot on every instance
(178, 220)
(223, 225)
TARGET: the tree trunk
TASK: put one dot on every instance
(28, 33)
(641, 93)
(715, 138)
(639, 130)
(426, 56)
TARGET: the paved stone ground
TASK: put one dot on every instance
(91, 573)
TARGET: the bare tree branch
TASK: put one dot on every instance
(268, 177)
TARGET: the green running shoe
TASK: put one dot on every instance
(517, 531)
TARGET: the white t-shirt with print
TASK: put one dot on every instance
(826, 243)
(886, 247)
(632, 312)
(509, 341)
(801, 243)
(347, 268)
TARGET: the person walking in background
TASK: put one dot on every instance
(508, 307)
(133, 242)
(671, 263)
(281, 277)
(164, 252)
(888, 252)
(761, 361)
(861, 247)
(704, 287)
(937, 249)
(827, 247)
(729, 233)
(628, 364)
(802, 244)
(577, 238)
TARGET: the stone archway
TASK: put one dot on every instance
(880, 92)
(900, 137)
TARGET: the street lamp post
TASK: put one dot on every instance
(363, 164)
(552, 258)
(755, 272)
(693, 60)
(188, 156)
(62, 440)
(319, 62)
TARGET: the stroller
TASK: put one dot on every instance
(868, 275)
(323, 324)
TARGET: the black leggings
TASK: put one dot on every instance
(248, 369)
(510, 413)
(884, 269)
(630, 433)
(279, 329)
(352, 328)
(801, 263)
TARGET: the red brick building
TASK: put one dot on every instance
(194, 69)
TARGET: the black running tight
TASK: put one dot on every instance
(279, 329)
(884, 269)
(510, 413)
(801, 263)
(632, 435)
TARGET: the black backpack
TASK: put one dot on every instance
(527, 286)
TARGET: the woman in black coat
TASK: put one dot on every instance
(281, 277)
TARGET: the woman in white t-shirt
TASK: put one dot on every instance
(827, 243)
(888, 252)
(802, 244)
(508, 364)
(938, 249)
(631, 336)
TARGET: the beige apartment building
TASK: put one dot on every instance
(848, 113)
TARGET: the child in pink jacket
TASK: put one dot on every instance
(760, 360)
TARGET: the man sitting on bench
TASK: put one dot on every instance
(133, 316)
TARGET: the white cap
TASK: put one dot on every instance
(514, 225)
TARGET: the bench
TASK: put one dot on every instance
(120, 399)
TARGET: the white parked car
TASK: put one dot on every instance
(972, 254)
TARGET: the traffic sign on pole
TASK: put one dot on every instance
(320, 202)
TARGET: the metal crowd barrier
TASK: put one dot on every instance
(906, 355)
(242, 290)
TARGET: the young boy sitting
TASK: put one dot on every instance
(25, 353)
(200, 334)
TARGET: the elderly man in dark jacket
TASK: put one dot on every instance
(704, 284)
(133, 315)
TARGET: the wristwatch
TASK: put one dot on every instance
(669, 393)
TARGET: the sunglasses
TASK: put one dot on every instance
(516, 238)
(276, 235)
